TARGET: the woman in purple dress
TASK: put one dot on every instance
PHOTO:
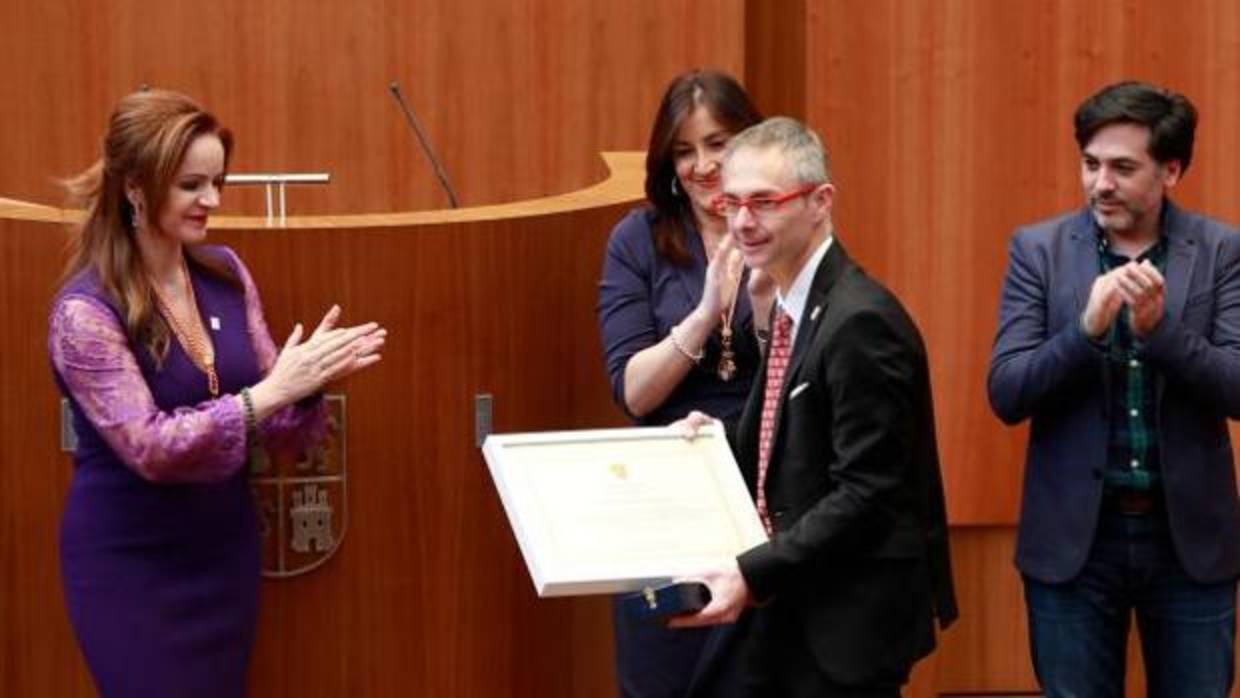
(160, 345)
(679, 318)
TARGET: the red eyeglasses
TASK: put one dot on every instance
(758, 205)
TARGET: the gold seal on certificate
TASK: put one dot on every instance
(615, 510)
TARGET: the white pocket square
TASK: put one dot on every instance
(798, 390)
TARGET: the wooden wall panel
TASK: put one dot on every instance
(517, 97)
(987, 649)
(775, 54)
(950, 124)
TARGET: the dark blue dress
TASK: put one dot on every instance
(641, 296)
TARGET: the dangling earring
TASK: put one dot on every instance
(136, 218)
(675, 188)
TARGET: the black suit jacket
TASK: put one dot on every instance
(859, 558)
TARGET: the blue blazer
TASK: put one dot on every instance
(1043, 368)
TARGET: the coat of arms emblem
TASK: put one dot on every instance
(301, 502)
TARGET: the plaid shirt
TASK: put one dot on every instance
(1132, 454)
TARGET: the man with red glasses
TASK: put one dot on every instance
(837, 445)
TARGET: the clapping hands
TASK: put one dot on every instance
(1139, 285)
(723, 276)
(330, 353)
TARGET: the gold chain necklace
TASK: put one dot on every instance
(200, 351)
(727, 355)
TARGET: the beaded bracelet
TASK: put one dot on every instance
(251, 420)
(695, 358)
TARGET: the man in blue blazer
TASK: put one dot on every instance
(1119, 339)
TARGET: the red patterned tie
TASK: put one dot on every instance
(776, 366)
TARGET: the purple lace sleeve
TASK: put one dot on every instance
(295, 428)
(91, 353)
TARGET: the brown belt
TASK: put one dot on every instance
(1134, 502)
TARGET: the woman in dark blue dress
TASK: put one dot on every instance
(680, 318)
(160, 345)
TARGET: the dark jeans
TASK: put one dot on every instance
(1078, 630)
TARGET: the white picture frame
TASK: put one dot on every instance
(615, 510)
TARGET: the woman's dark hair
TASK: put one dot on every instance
(730, 106)
(1170, 117)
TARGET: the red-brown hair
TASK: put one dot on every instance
(148, 135)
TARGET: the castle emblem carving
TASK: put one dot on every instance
(301, 500)
(311, 516)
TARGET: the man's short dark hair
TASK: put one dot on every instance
(1170, 117)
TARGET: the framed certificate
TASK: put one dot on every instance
(615, 510)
